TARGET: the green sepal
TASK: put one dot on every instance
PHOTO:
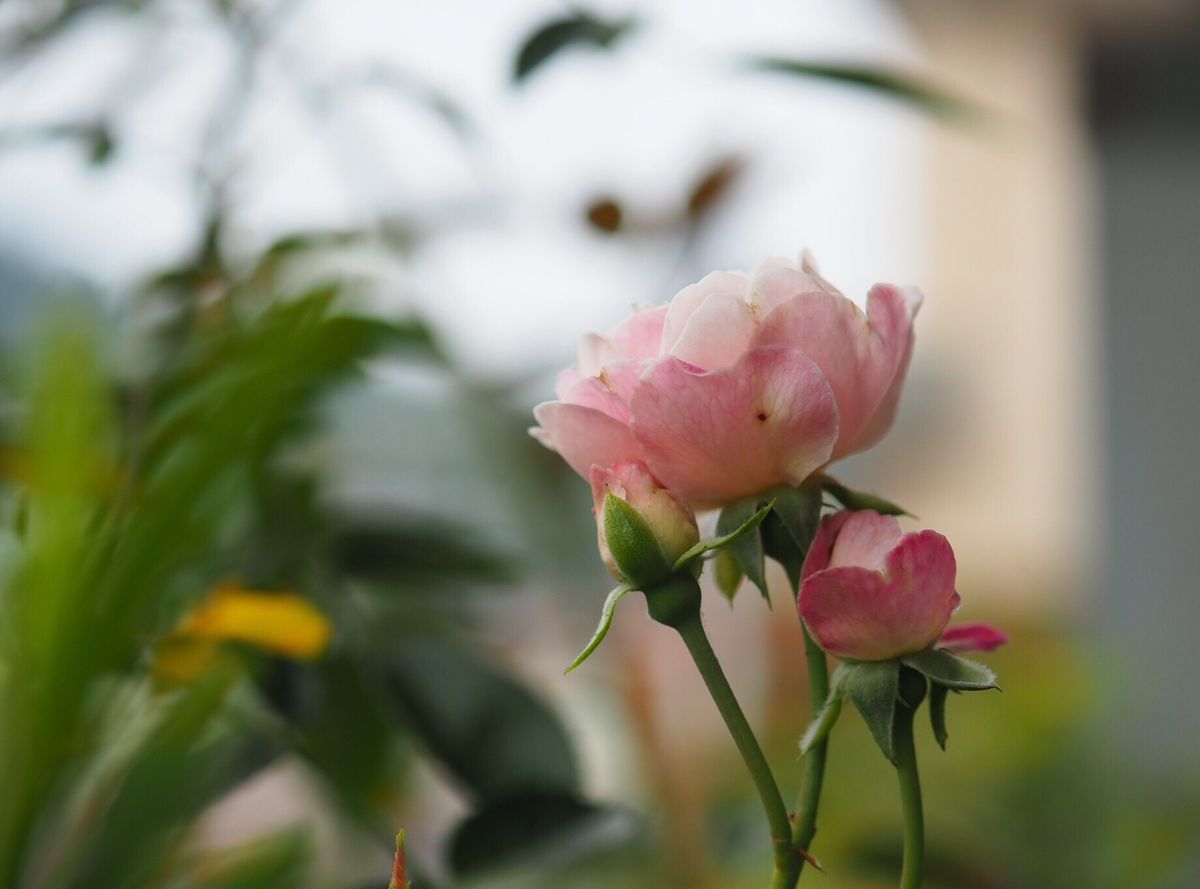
(748, 550)
(606, 618)
(948, 669)
(852, 499)
(711, 543)
(633, 545)
(828, 715)
(937, 712)
(873, 687)
(727, 573)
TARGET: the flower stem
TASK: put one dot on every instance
(692, 631)
(910, 800)
(805, 826)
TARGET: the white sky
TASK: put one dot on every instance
(519, 276)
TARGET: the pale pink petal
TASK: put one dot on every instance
(722, 435)
(861, 355)
(972, 637)
(876, 615)
(640, 335)
(717, 333)
(584, 436)
(865, 540)
(597, 393)
(776, 282)
(621, 376)
(595, 351)
(690, 298)
(564, 382)
(881, 421)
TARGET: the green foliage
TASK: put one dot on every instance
(710, 544)
(747, 551)
(951, 670)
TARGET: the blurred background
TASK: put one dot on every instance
(280, 281)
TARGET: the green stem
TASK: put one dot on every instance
(696, 640)
(910, 800)
(805, 826)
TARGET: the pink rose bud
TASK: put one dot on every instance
(743, 382)
(870, 592)
(643, 528)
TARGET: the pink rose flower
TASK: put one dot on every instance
(671, 522)
(869, 592)
(741, 383)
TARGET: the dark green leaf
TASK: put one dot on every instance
(712, 543)
(873, 687)
(951, 670)
(606, 617)
(852, 499)
(489, 731)
(799, 511)
(887, 83)
(542, 827)
(937, 712)
(580, 28)
(748, 551)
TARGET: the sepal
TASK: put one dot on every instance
(818, 730)
(937, 712)
(788, 532)
(727, 574)
(873, 688)
(714, 543)
(606, 618)
(957, 673)
(859, 500)
(634, 548)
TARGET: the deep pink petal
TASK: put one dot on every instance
(870, 615)
(717, 334)
(584, 436)
(862, 356)
(822, 546)
(690, 298)
(718, 436)
(640, 335)
(972, 637)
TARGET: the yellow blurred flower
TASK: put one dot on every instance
(282, 623)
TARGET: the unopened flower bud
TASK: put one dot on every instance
(643, 528)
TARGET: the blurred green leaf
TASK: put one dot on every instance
(579, 28)
(490, 732)
(886, 83)
(278, 861)
(552, 829)
(852, 499)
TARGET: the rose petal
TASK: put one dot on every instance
(640, 335)
(717, 333)
(862, 356)
(584, 436)
(876, 615)
(595, 351)
(717, 436)
(972, 637)
(690, 298)
(865, 540)
(778, 281)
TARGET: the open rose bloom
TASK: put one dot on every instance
(870, 592)
(741, 383)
